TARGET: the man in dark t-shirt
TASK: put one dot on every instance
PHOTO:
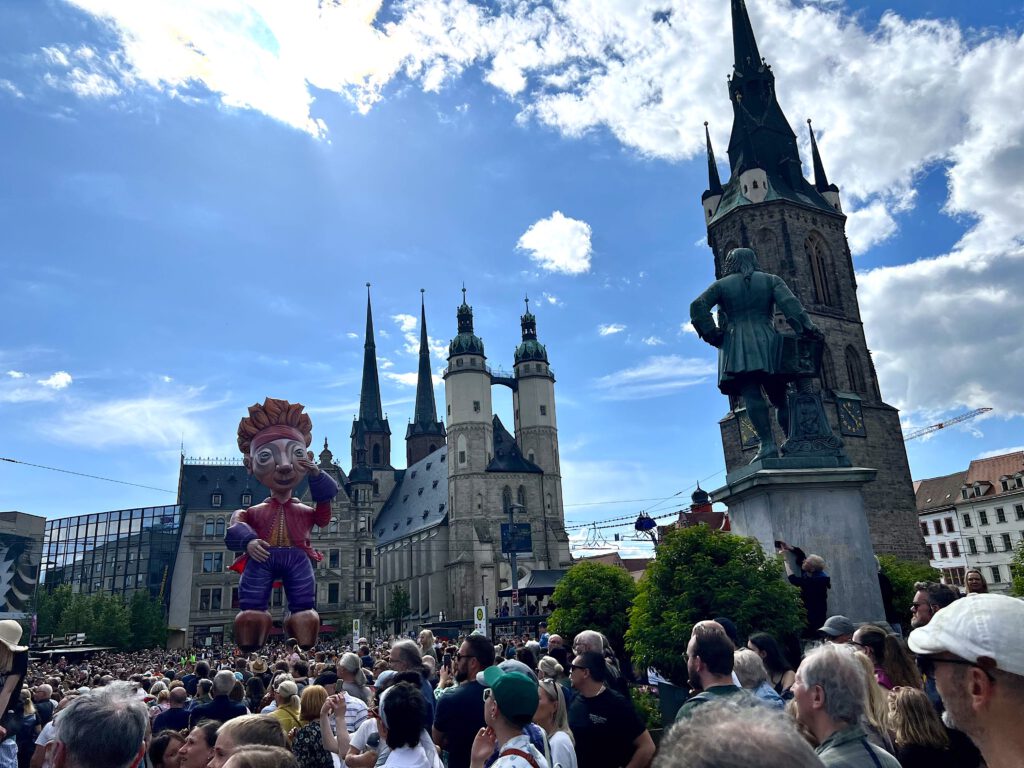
(607, 729)
(460, 713)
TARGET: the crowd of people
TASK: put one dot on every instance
(863, 697)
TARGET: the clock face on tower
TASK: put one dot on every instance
(851, 417)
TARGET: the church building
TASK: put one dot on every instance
(798, 229)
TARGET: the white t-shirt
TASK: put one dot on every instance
(364, 735)
(563, 754)
(412, 757)
(523, 744)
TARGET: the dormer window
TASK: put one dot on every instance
(419, 492)
(434, 484)
(246, 499)
(216, 499)
(754, 184)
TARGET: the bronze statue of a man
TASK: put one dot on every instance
(749, 346)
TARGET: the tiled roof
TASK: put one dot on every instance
(937, 492)
(200, 481)
(507, 456)
(418, 502)
(992, 469)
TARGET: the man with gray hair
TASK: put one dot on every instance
(221, 708)
(829, 696)
(732, 733)
(405, 656)
(105, 728)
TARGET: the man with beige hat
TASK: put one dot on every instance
(974, 650)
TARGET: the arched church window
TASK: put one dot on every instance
(506, 499)
(817, 255)
(855, 371)
(828, 370)
(521, 496)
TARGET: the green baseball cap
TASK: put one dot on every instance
(515, 693)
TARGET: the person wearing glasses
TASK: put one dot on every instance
(973, 651)
(460, 712)
(929, 598)
(510, 701)
(405, 656)
(607, 729)
(829, 695)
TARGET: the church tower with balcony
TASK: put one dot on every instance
(798, 229)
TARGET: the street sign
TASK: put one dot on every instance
(480, 619)
(355, 632)
(516, 537)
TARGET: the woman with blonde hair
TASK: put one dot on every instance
(974, 582)
(552, 715)
(307, 741)
(426, 643)
(875, 706)
(920, 737)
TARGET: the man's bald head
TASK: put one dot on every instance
(178, 697)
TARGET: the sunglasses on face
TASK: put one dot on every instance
(927, 664)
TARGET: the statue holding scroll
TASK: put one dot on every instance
(755, 361)
(273, 537)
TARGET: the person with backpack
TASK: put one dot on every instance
(510, 701)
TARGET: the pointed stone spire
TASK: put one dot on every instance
(369, 396)
(426, 407)
(370, 431)
(425, 434)
(820, 179)
(744, 45)
(714, 181)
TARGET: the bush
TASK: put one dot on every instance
(645, 702)
(699, 574)
(593, 596)
(903, 574)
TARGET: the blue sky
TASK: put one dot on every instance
(196, 193)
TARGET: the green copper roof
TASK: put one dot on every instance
(530, 348)
(466, 342)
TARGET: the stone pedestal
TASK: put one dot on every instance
(819, 509)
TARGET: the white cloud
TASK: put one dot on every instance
(352, 335)
(652, 341)
(59, 380)
(999, 452)
(687, 327)
(6, 86)
(654, 377)
(610, 329)
(405, 323)
(552, 299)
(580, 67)
(152, 422)
(166, 379)
(409, 379)
(17, 374)
(558, 244)
(384, 363)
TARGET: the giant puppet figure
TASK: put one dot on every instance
(273, 536)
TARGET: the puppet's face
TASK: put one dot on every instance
(278, 464)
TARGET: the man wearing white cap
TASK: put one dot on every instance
(974, 650)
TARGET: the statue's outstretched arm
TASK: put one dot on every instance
(700, 316)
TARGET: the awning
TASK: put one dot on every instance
(539, 583)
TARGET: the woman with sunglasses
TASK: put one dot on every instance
(552, 715)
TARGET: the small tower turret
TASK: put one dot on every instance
(713, 194)
(467, 391)
(534, 399)
(829, 191)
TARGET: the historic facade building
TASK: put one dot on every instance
(431, 529)
(798, 230)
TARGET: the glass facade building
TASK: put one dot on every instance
(116, 552)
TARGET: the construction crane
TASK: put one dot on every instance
(943, 424)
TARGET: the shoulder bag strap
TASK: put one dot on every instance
(526, 756)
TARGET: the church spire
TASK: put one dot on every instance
(369, 396)
(425, 434)
(371, 434)
(714, 181)
(820, 179)
(746, 57)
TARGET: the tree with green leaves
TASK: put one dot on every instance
(699, 574)
(1017, 571)
(398, 606)
(593, 596)
(148, 622)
